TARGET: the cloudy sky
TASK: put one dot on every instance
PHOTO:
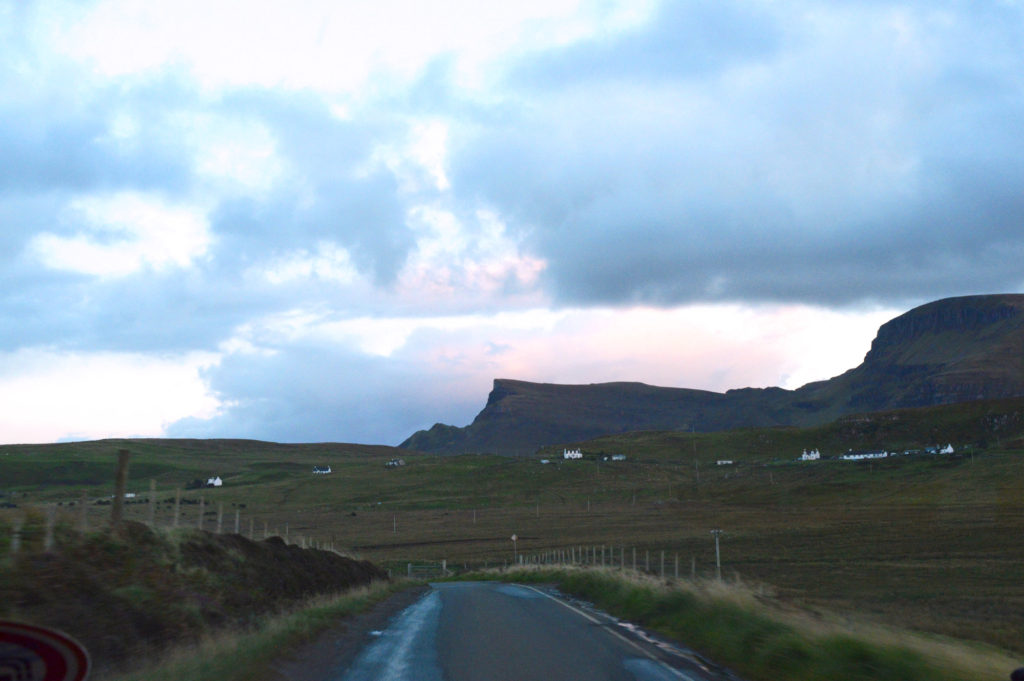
(341, 220)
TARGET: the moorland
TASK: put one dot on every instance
(926, 541)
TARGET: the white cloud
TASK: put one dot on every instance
(238, 153)
(327, 262)
(323, 45)
(120, 234)
(467, 261)
(47, 395)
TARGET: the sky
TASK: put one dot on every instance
(316, 221)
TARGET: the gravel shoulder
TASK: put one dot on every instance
(333, 651)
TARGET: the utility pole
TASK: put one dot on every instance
(718, 555)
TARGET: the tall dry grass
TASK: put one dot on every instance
(744, 627)
(243, 655)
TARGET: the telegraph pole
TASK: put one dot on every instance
(718, 555)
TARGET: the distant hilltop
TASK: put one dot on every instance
(952, 350)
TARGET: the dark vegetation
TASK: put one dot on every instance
(131, 594)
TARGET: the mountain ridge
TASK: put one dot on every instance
(947, 351)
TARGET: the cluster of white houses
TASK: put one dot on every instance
(576, 454)
(815, 455)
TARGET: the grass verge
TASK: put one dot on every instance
(751, 633)
(249, 655)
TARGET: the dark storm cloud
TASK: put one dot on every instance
(817, 163)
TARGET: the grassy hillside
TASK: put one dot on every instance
(930, 542)
(128, 595)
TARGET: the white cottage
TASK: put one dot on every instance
(572, 454)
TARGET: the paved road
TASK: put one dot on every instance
(486, 631)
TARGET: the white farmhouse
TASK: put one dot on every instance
(812, 455)
(321, 470)
(725, 462)
(948, 449)
(214, 482)
(572, 454)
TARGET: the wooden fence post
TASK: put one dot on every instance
(83, 519)
(120, 482)
(16, 525)
(51, 522)
(152, 502)
(177, 506)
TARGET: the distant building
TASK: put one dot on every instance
(214, 482)
(321, 470)
(812, 455)
(545, 460)
(618, 457)
(572, 454)
(394, 463)
(948, 449)
(860, 456)
(724, 462)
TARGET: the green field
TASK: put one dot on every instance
(929, 542)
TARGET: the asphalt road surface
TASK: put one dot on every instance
(487, 631)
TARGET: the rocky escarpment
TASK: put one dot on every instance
(948, 351)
